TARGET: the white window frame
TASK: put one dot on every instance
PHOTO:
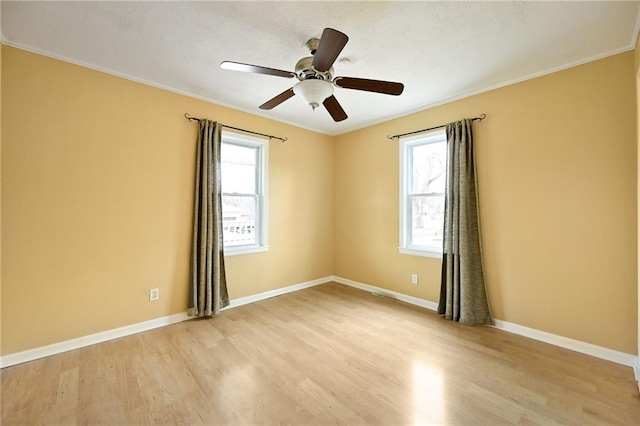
(406, 143)
(262, 186)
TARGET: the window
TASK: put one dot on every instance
(423, 172)
(244, 162)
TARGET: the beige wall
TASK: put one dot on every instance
(557, 184)
(97, 176)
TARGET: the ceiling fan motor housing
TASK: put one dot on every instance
(305, 71)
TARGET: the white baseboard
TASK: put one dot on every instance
(92, 339)
(400, 296)
(234, 303)
(623, 358)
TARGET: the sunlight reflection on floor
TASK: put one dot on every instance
(428, 403)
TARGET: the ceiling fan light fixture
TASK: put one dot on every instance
(313, 91)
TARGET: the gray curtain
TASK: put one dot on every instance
(463, 296)
(208, 291)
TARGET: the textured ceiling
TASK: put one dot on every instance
(440, 50)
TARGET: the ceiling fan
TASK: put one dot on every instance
(315, 75)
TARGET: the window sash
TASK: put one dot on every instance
(410, 163)
(259, 197)
(407, 146)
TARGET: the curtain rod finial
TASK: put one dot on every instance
(188, 117)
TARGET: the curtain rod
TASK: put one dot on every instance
(188, 117)
(482, 117)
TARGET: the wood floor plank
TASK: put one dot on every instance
(329, 354)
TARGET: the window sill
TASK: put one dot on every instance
(423, 253)
(247, 250)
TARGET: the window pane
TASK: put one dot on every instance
(427, 218)
(429, 168)
(239, 220)
(238, 169)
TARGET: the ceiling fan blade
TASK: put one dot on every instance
(334, 108)
(331, 44)
(256, 69)
(274, 102)
(378, 86)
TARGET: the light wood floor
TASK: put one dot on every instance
(325, 355)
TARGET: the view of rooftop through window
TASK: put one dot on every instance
(239, 166)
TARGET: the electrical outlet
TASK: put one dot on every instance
(154, 294)
(414, 279)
